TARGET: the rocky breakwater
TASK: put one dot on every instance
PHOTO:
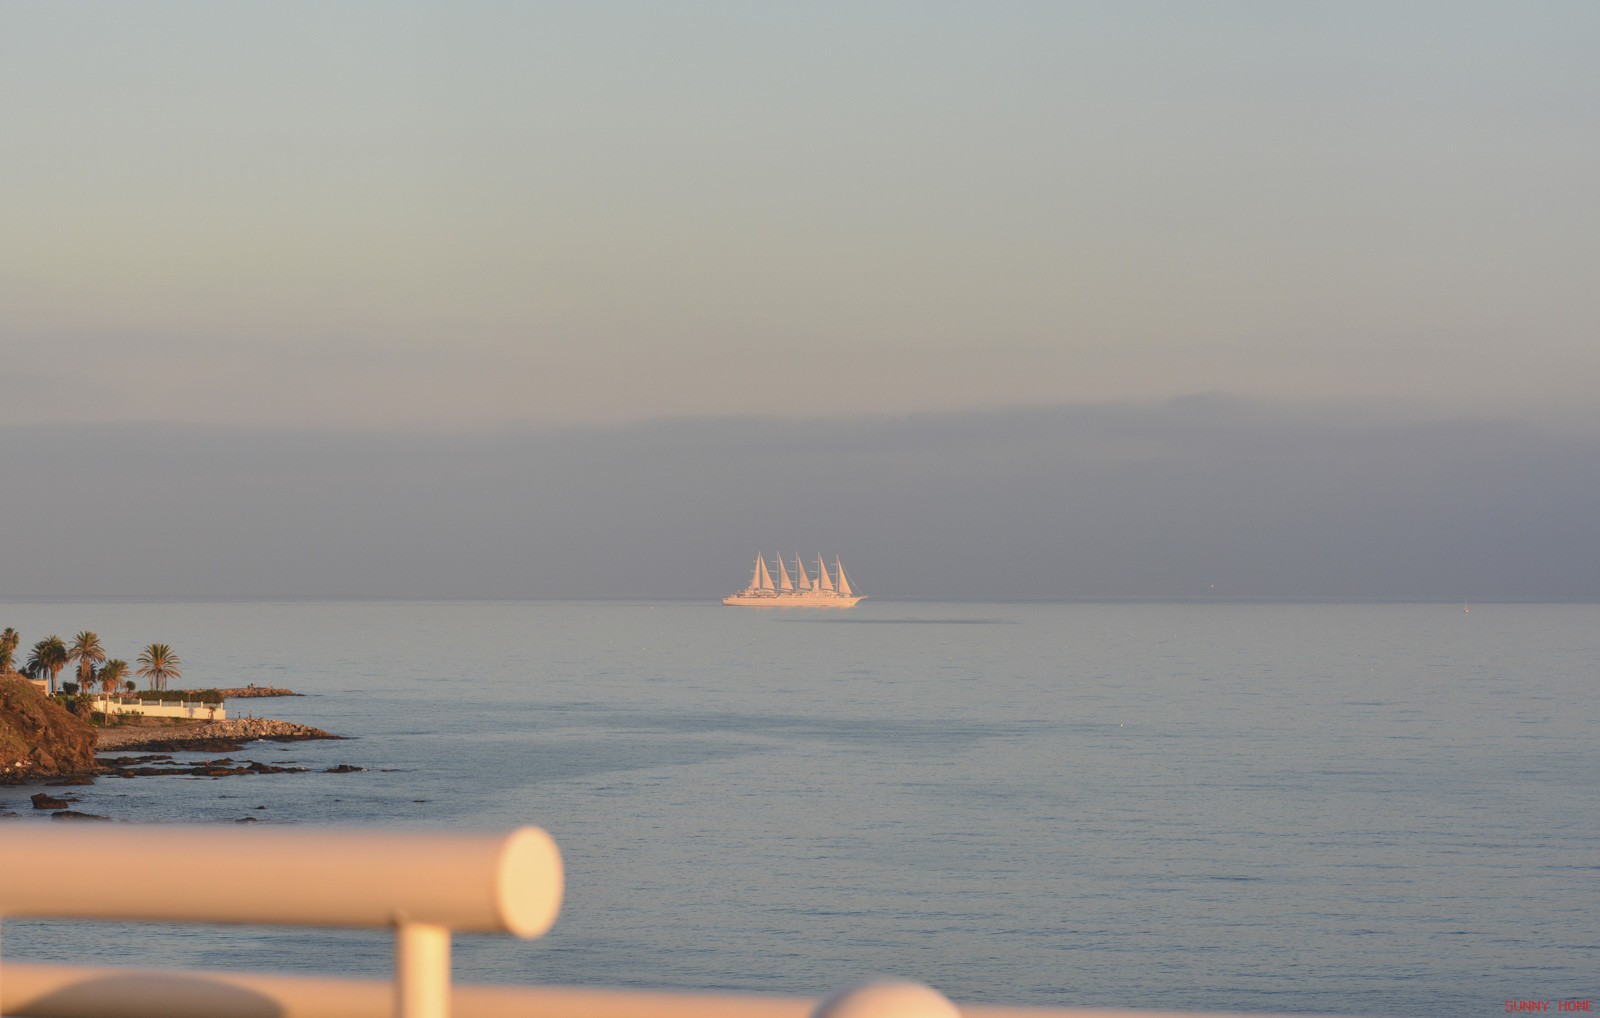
(258, 728)
(210, 736)
(37, 737)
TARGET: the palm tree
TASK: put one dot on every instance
(86, 650)
(158, 664)
(8, 649)
(49, 655)
(111, 674)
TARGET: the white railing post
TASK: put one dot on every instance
(888, 999)
(421, 971)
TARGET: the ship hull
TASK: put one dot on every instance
(797, 600)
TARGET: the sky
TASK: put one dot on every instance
(242, 241)
(1197, 497)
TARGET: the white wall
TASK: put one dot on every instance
(198, 711)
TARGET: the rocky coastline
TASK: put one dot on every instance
(64, 750)
(38, 738)
(42, 741)
(205, 736)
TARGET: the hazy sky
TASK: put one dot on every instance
(1196, 497)
(1008, 299)
(481, 215)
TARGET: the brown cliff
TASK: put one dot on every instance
(38, 738)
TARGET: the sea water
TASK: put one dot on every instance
(1337, 808)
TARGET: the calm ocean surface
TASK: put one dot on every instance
(1341, 808)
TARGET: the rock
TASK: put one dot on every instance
(263, 728)
(70, 814)
(261, 768)
(246, 820)
(210, 769)
(38, 738)
(44, 800)
(343, 769)
(185, 744)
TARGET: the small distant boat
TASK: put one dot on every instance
(799, 591)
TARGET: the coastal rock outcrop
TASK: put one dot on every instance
(210, 736)
(163, 765)
(259, 728)
(72, 814)
(38, 738)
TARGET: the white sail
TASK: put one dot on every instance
(766, 577)
(755, 574)
(784, 583)
(800, 568)
(844, 584)
(823, 583)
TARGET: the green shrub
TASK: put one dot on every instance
(180, 695)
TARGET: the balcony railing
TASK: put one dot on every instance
(422, 886)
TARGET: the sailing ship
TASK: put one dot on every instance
(797, 591)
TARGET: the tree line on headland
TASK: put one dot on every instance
(157, 663)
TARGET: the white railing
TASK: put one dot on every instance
(423, 886)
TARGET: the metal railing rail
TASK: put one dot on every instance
(69, 991)
(423, 886)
